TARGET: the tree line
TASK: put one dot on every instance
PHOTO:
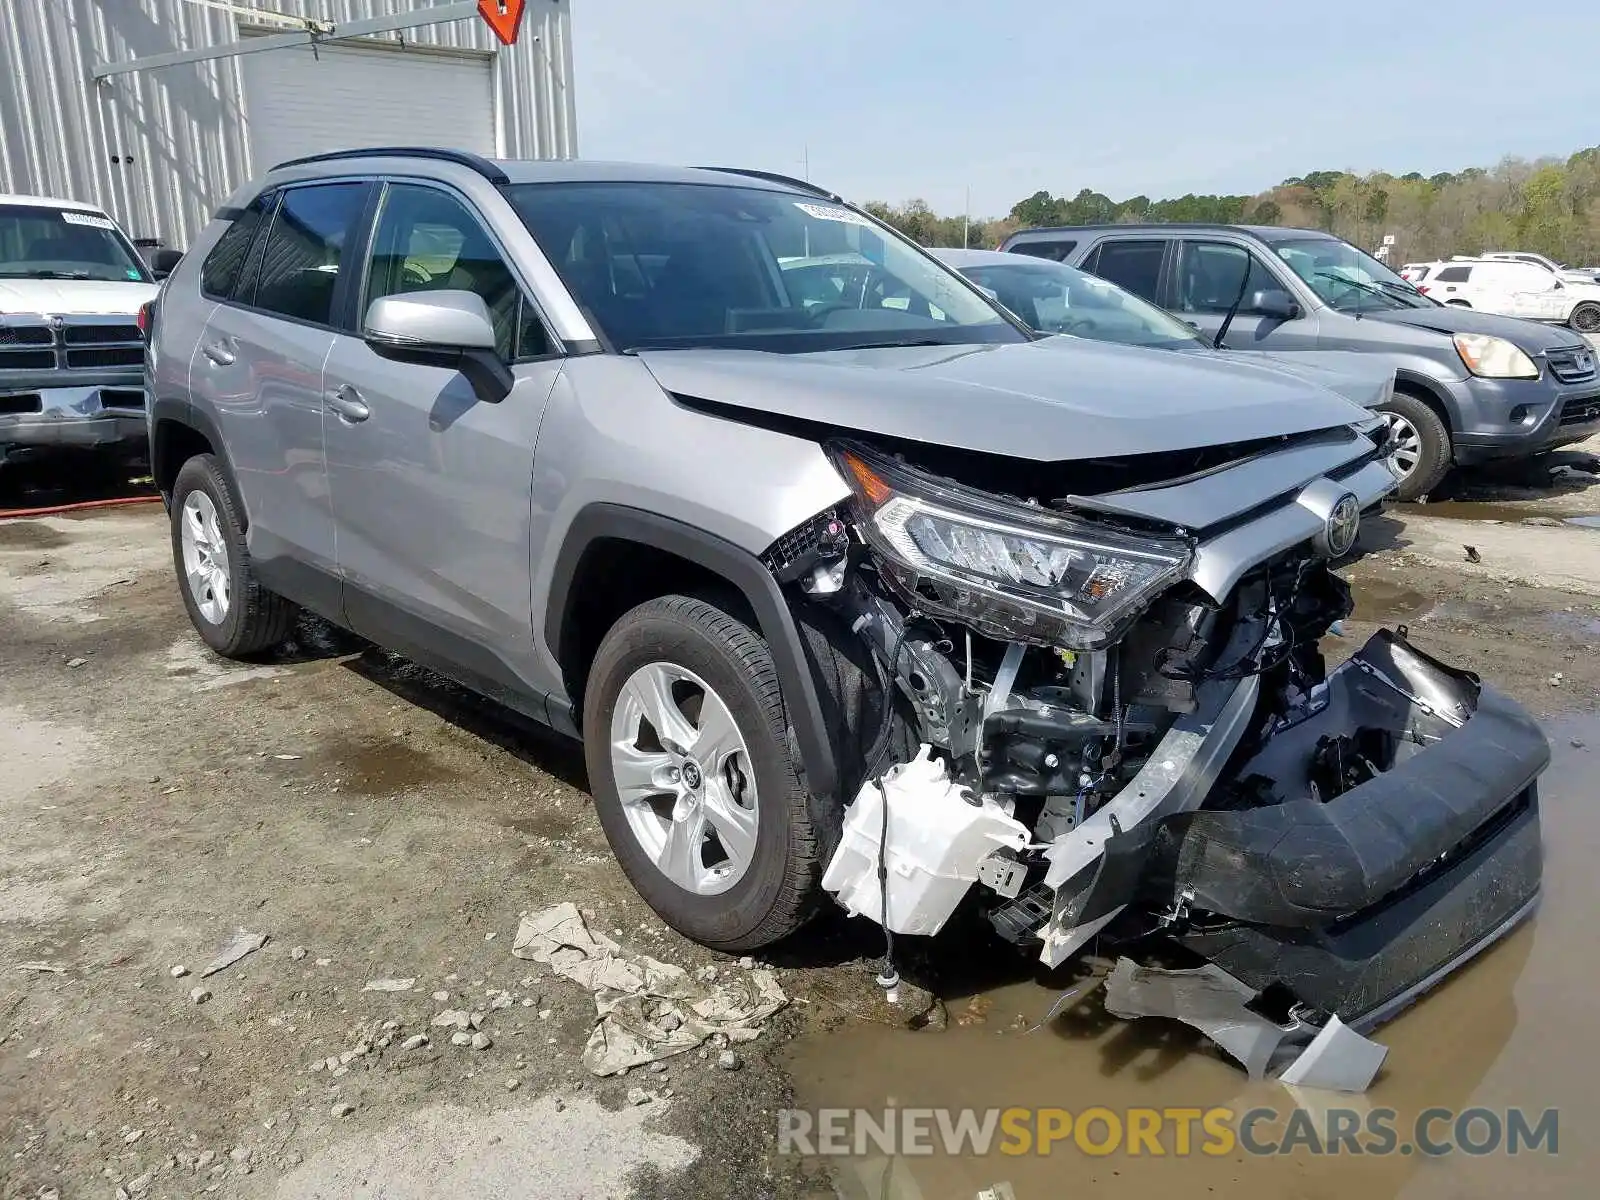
(1550, 205)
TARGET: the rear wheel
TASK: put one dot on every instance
(1586, 317)
(229, 608)
(1420, 445)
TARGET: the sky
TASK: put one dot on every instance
(895, 99)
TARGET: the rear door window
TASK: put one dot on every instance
(1452, 275)
(306, 250)
(1134, 264)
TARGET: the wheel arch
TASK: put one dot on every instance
(1420, 387)
(178, 432)
(663, 556)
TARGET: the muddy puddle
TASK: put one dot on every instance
(1509, 1030)
(1502, 514)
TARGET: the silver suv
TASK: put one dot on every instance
(569, 433)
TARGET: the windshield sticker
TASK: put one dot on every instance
(132, 274)
(826, 212)
(89, 219)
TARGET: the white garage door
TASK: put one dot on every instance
(339, 98)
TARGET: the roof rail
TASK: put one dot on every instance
(774, 177)
(464, 158)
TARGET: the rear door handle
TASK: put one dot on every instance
(347, 402)
(220, 353)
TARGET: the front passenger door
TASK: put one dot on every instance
(432, 483)
(1206, 281)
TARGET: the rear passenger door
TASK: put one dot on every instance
(432, 484)
(259, 368)
(1135, 264)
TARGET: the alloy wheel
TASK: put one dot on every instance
(205, 557)
(1405, 444)
(684, 778)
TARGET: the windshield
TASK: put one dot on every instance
(1347, 279)
(671, 265)
(1055, 298)
(54, 243)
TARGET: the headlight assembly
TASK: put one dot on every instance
(1010, 570)
(1493, 357)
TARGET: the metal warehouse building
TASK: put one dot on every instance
(157, 109)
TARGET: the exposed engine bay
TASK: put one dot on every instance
(1122, 737)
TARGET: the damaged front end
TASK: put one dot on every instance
(1131, 731)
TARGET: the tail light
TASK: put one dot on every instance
(147, 318)
(1423, 288)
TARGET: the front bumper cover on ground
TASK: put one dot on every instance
(1358, 903)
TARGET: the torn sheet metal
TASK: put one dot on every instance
(1207, 998)
(647, 1009)
(1338, 1059)
(243, 944)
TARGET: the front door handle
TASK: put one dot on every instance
(220, 353)
(347, 402)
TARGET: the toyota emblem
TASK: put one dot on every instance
(1342, 526)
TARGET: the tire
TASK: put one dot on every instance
(770, 885)
(1585, 318)
(1424, 441)
(249, 618)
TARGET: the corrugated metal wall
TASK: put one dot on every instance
(159, 148)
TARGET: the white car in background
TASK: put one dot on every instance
(1515, 288)
(1586, 275)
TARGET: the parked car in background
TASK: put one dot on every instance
(1054, 298)
(71, 352)
(561, 431)
(1418, 271)
(1517, 288)
(1469, 386)
(1549, 264)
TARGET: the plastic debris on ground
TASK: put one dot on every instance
(1338, 1059)
(1207, 998)
(647, 1009)
(243, 944)
(938, 834)
(1214, 1002)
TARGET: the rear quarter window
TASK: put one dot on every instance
(1056, 250)
(223, 268)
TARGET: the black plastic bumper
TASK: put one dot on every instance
(1365, 970)
(1305, 863)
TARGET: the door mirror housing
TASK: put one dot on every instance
(446, 328)
(165, 262)
(1274, 303)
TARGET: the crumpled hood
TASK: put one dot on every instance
(67, 297)
(1051, 400)
(1531, 336)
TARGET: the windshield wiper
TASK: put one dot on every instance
(1372, 289)
(895, 344)
(44, 274)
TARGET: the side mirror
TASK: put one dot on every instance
(443, 329)
(1271, 302)
(165, 262)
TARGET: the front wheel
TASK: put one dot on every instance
(685, 739)
(1585, 318)
(1419, 445)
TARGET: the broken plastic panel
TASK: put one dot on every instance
(939, 835)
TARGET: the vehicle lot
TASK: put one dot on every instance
(156, 799)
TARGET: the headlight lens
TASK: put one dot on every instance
(1011, 571)
(1493, 357)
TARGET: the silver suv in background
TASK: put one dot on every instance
(571, 434)
(1469, 387)
(71, 352)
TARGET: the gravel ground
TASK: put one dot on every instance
(376, 823)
